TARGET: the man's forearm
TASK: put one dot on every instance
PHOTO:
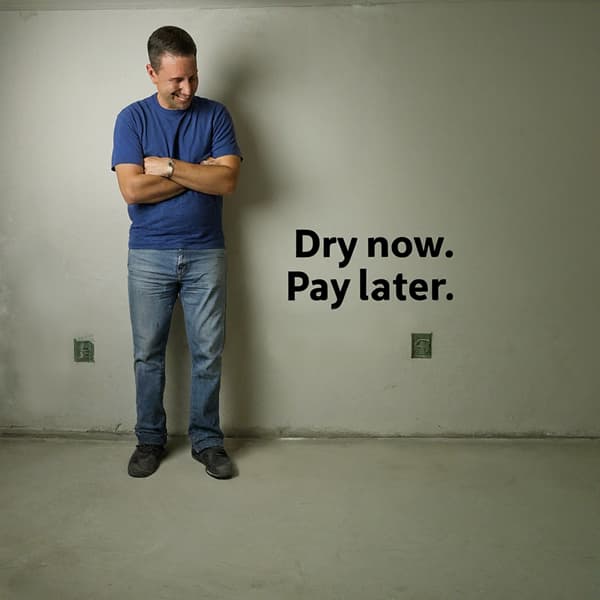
(150, 189)
(208, 177)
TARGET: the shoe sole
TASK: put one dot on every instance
(217, 476)
(140, 474)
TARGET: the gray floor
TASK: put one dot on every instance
(320, 519)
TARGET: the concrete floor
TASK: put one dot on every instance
(320, 519)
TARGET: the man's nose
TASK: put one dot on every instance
(186, 88)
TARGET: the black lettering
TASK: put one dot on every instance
(371, 247)
(319, 291)
(428, 246)
(313, 238)
(436, 284)
(399, 282)
(328, 242)
(396, 247)
(381, 290)
(294, 287)
(339, 291)
(363, 285)
(418, 289)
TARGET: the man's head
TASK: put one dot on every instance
(172, 67)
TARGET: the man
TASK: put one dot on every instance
(175, 156)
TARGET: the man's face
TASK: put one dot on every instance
(176, 81)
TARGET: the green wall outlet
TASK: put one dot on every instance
(421, 345)
(83, 350)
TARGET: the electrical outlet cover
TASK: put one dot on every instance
(83, 350)
(421, 345)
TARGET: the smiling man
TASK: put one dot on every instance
(175, 155)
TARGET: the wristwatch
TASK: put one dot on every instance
(171, 166)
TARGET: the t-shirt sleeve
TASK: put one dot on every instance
(127, 146)
(223, 138)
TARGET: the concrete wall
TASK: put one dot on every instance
(476, 122)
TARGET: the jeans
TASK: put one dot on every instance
(156, 278)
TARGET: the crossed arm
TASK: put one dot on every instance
(151, 184)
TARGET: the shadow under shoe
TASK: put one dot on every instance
(145, 460)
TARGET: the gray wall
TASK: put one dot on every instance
(477, 122)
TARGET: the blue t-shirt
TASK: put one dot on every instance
(144, 128)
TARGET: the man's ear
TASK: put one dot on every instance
(152, 73)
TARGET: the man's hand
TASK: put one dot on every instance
(156, 165)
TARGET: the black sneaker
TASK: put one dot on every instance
(145, 460)
(217, 462)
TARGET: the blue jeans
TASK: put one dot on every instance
(156, 279)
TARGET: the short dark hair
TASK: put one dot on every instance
(169, 40)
